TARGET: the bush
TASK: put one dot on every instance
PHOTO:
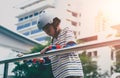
(35, 68)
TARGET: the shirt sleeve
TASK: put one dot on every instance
(69, 36)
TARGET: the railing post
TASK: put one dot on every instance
(5, 70)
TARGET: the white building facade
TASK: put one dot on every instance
(81, 15)
(11, 44)
(27, 21)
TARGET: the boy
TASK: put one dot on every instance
(64, 65)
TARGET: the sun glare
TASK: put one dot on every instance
(112, 10)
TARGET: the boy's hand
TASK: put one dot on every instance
(44, 50)
(51, 47)
(19, 55)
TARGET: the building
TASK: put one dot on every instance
(27, 21)
(104, 57)
(21, 42)
(71, 15)
(11, 44)
(84, 19)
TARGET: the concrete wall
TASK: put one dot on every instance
(8, 41)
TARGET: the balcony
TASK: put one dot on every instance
(81, 47)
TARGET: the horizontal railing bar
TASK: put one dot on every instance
(95, 44)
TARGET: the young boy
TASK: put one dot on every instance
(64, 65)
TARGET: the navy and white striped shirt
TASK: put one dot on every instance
(68, 64)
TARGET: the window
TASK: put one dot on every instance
(68, 4)
(89, 54)
(112, 55)
(20, 27)
(74, 14)
(79, 14)
(35, 31)
(40, 12)
(41, 38)
(35, 14)
(26, 33)
(27, 25)
(34, 22)
(79, 23)
(30, 16)
(26, 17)
(74, 23)
(23, 26)
(95, 53)
(79, 33)
(21, 19)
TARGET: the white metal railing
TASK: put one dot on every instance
(95, 44)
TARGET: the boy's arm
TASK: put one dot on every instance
(70, 38)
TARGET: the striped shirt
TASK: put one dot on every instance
(68, 64)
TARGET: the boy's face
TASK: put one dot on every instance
(50, 30)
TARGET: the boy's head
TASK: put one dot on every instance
(48, 23)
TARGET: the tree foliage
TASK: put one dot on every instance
(89, 67)
(34, 68)
(38, 69)
(30, 69)
(37, 48)
(117, 66)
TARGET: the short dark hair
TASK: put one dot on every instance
(55, 23)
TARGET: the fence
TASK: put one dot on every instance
(90, 45)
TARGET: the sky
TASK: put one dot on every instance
(9, 11)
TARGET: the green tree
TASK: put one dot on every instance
(31, 69)
(117, 66)
(89, 66)
(37, 48)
